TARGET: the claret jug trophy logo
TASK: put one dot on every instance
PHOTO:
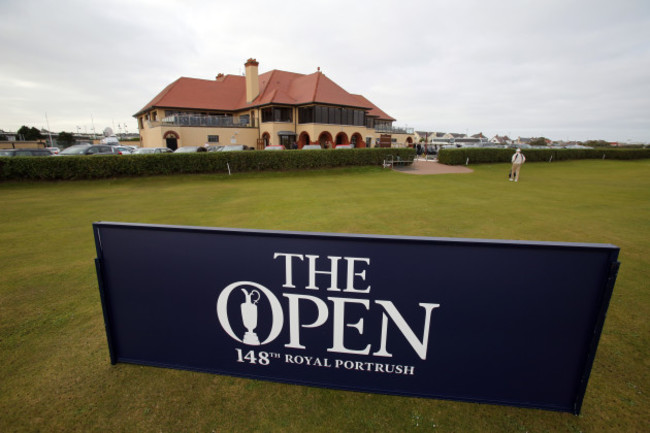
(249, 316)
(252, 294)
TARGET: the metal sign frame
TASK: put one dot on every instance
(490, 321)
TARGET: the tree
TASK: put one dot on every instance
(29, 134)
(596, 143)
(539, 141)
(65, 139)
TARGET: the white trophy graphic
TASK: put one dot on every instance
(249, 317)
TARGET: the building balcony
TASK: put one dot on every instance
(385, 129)
(206, 121)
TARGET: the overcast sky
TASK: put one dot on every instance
(565, 69)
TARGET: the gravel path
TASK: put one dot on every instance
(431, 167)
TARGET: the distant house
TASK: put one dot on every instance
(480, 137)
(438, 137)
(7, 136)
(454, 135)
(423, 136)
(523, 140)
(498, 139)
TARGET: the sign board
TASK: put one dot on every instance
(503, 322)
(385, 140)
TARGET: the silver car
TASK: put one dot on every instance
(151, 150)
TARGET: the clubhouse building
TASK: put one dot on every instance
(276, 107)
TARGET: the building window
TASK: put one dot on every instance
(277, 114)
(213, 138)
(306, 115)
(331, 115)
(321, 114)
(359, 118)
(154, 115)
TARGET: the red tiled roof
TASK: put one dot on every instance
(374, 110)
(276, 87)
(193, 93)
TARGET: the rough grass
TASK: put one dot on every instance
(55, 372)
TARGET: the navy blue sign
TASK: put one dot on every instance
(502, 322)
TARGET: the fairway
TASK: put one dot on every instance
(56, 373)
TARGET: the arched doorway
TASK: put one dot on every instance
(357, 140)
(409, 140)
(325, 140)
(171, 139)
(303, 139)
(342, 138)
(266, 138)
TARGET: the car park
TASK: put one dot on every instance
(151, 150)
(89, 149)
(25, 152)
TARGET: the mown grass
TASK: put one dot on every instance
(55, 372)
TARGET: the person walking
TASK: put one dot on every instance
(518, 160)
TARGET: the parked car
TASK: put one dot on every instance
(235, 147)
(89, 149)
(54, 150)
(151, 150)
(431, 149)
(25, 152)
(190, 149)
(343, 146)
(217, 148)
(124, 150)
(274, 147)
(312, 147)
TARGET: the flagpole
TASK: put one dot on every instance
(47, 121)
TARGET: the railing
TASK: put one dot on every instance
(394, 129)
(207, 121)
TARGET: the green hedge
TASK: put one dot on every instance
(480, 155)
(97, 167)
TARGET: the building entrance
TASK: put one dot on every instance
(172, 143)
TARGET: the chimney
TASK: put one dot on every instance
(252, 80)
(220, 77)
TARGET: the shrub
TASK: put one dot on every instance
(483, 155)
(97, 167)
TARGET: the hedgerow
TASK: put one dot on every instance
(484, 155)
(98, 167)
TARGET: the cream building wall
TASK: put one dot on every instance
(153, 131)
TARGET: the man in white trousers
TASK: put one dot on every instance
(518, 160)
